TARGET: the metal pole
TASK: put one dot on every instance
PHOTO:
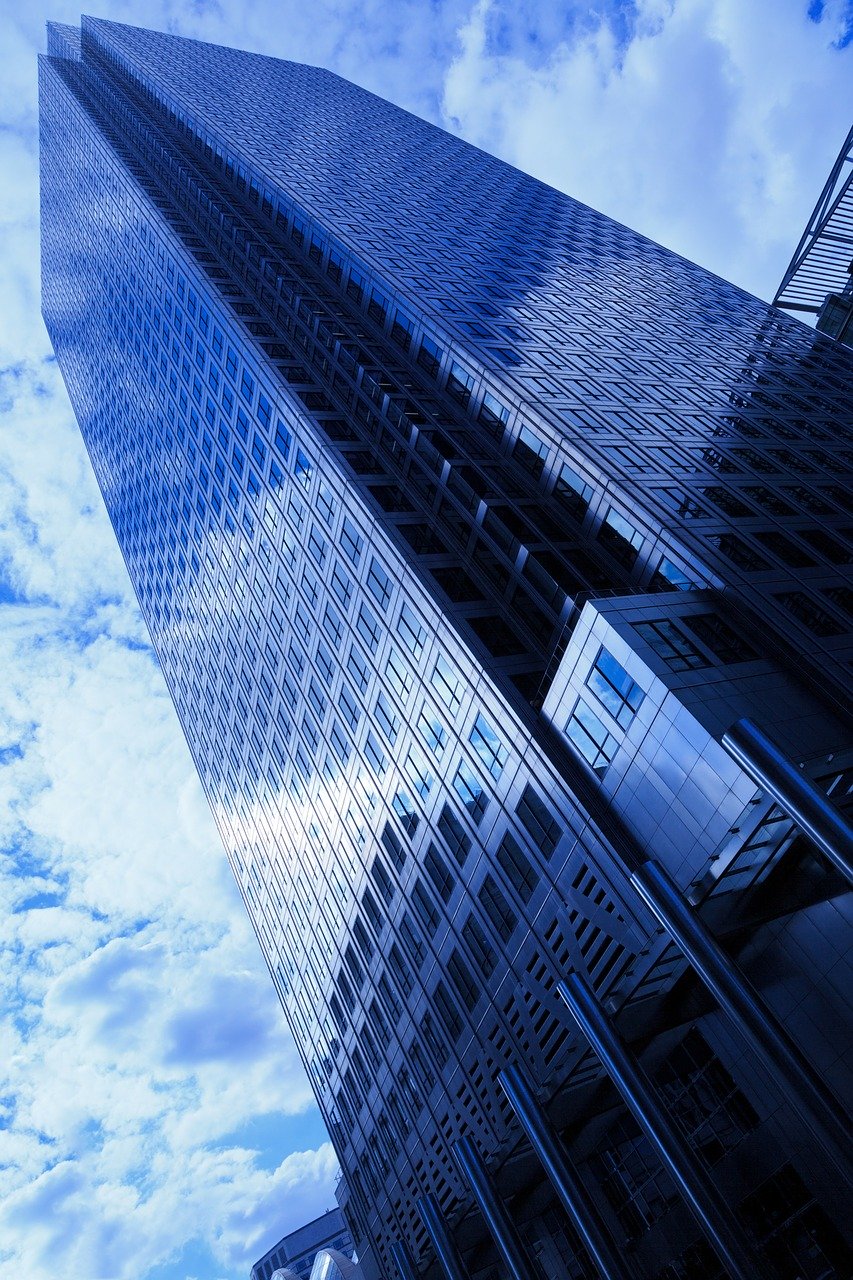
(794, 792)
(494, 1210)
(564, 1177)
(734, 993)
(442, 1241)
(716, 1218)
(403, 1261)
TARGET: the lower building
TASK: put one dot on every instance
(297, 1253)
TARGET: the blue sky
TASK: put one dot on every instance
(154, 1119)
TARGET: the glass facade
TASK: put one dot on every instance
(464, 522)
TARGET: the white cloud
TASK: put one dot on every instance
(710, 126)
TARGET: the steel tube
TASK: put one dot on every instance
(794, 792)
(442, 1241)
(493, 1209)
(564, 1177)
(403, 1261)
(716, 1218)
(734, 993)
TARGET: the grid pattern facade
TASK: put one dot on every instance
(369, 434)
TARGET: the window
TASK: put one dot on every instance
(543, 829)
(493, 415)
(412, 940)
(429, 355)
(439, 873)
(668, 576)
(405, 811)
(425, 908)
(572, 492)
(514, 862)
(531, 452)
(398, 677)
(382, 879)
(458, 841)
(332, 625)
(488, 746)
(446, 685)
(358, 668)
(419, 773)
(410, 631)
(432, 731)
(481, 949)
(596, 745)
(614, 688)
(379, 584)
(470, 793)
(725, 644)
(811, 615)
(393, 846)
(463, 980)
(388, 722)
(460, 383)
(402, 972)
(373, 755)
(341, 586)
(620, 537)
(447, 1011)
(351, 541)
(671, 644)
(497, 908)
(350, 709)
(368, 628)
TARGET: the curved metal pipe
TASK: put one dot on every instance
(736, 996)
(730, 1242)
(564, 1177)
(501, 1227)
(794, 792)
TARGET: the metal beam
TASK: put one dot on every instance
(794, 792)
(403, 1261)
(736, 996)
(501, 1227)
(564, 1177)
(725, 1233)
(442, 1241)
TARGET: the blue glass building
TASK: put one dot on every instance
(467, 523)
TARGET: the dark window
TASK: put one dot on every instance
(382, 879)
(454, 834)
(425, 908)
(810, 614)
(448, 1012)
(541, 826)
(718, 636)
(439, 873)
(671, 644)
(463, 980)
(514, 862)
(393, 846)
(497, 908)
(481, 949)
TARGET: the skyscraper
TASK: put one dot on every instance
(466, 524)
